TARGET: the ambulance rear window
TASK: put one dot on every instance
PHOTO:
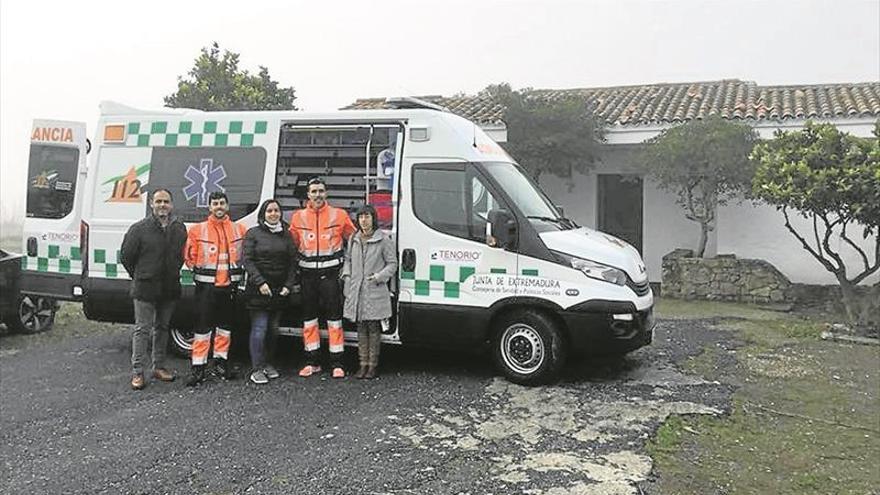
(51, 180)
(192, 174)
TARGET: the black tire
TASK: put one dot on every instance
(33, 314)
(529, 348)
(181, 342)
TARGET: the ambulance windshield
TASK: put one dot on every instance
(531, 201)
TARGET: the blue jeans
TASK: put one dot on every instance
(264, 330)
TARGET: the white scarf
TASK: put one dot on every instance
(273, 227)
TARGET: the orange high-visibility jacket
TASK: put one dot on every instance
(213, 251)
(320, 235)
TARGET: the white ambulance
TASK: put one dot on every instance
(486, 260)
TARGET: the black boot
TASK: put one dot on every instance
(196, 376)
(224, 370)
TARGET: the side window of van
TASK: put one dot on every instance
(452, 200)
(192, 174)
(52, 174)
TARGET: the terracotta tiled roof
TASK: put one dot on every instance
(670, 103)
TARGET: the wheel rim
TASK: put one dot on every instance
(522, 348)
(35, 313)
(182, 339)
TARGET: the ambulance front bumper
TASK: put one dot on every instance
(608, 327)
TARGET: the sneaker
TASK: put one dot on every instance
(164, 375)
(309, 370)
(271, 372)
(137, 381)
(259, 377)
(338, 373)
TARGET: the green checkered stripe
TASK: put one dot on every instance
(447, 280)
(53, 261)
(106, 265)
(190, 133)
(104, 268)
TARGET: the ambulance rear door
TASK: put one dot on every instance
(52, 261)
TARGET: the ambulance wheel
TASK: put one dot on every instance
(181, 342)
(529, 348)
(34, 314)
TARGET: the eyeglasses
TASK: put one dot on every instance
(315, 180)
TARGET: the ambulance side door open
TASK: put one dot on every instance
(447, 267)
(52, 262)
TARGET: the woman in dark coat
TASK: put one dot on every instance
(271, 274)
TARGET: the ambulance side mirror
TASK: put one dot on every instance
(503, 232)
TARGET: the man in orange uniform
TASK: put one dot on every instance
(213, 253)
(320, 232)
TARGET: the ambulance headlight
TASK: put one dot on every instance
(593, 269)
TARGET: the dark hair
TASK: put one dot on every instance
(261, 215)
(314, 181)
(162, 189)
(217, 195)
(366, 210)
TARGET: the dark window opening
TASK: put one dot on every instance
(52, 172)
(343, 157)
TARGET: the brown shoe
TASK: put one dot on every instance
(163, 375)
(371, 373)
(361, 372)
(137, 381)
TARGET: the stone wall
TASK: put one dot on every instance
(723, 278)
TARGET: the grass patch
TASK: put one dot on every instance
(806, 419)
(70, 322)
(677, 309)
(668, 437)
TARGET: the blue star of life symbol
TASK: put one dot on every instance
(203, 180)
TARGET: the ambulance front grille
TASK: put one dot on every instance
(640, 289)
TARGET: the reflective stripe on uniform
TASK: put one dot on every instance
(311, 337)
(337, 339)
(320, 264)
(222, 339)
(200, 346)
(205, 279)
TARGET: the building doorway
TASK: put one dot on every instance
(619, 207)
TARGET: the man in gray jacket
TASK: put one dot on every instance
(152, 254)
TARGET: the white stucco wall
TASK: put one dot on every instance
(751, 231)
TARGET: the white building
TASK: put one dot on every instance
(615, 198)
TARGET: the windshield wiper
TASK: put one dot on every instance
(563, 222)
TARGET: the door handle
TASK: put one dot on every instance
(32, 246)
(408, 260)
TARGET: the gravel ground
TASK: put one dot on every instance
(440, 424)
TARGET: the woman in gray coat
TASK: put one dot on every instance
(370, 262)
